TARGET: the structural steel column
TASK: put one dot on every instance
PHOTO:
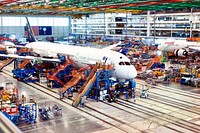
(126, 23)
(104, 27)
(191, 18)
(148, 23)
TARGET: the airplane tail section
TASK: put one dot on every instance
(31, 36)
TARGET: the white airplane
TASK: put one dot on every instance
(83, 56)
(179, 47)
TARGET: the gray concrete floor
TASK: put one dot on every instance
(71, 121)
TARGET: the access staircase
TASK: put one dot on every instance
(85, 90)
(90, 81)
(6, 63)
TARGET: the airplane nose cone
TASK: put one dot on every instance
(132, 73)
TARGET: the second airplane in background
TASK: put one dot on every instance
(179, 47)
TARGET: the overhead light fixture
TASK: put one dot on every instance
(62, 1)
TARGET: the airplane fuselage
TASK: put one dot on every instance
(170, 47)
(83, 56)
(178, 44)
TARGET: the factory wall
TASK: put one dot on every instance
(57, 31)
(15, 25)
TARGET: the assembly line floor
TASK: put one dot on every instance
(172, 108)
(71, 121)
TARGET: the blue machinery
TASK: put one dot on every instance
(29, 73)
(128, 90)
(27, 113)
(26, 75)
(25, 71)
(157, 65)
(91, 87)
(14, 118)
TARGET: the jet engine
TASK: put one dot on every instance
(10, 47)
(181, 53)
(47, 54)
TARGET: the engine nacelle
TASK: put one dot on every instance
(47, 54)
(181, 52)
(10, 47)
(11, 50)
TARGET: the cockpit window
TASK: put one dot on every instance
(121, 63)
(127, 63)
(124, 63)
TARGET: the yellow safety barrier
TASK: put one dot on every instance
(182, 70)
(5, 97)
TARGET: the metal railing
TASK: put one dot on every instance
(6, 126)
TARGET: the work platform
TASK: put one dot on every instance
(169, 108)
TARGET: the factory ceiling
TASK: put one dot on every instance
(83, 7)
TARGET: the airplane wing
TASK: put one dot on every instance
(16, 46)
(29, 57)
(11, 45)
(113, 46)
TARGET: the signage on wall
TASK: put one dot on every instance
(39, 30)
(45, 30)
